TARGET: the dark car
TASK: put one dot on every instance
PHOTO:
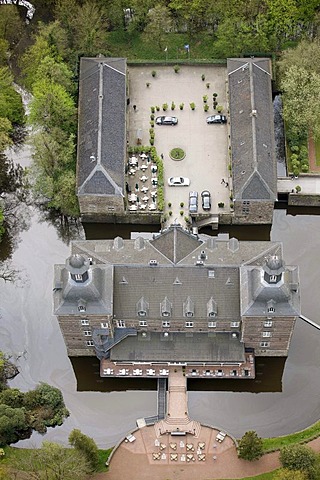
(193, 202)
(166, 120)
(217, 119)
(206, 200)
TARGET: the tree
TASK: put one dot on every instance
(250, 446)
(287, 474)
(55, 71)
(159, 24)
(52, 462)
(11, 25)
(86, 447)
(13, 421)
(52, 106)
(299, 457)
(32, 58)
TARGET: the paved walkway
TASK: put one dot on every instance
(130, 465)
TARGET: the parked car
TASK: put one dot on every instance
(217, 119)
(178, 182)
(166, 120)
(206, 200)
(193, 202)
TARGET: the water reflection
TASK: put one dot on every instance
(27, 324)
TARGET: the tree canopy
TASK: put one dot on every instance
(250, 446)
(299, 457)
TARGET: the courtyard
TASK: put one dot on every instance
(206, 146)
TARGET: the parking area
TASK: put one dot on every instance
(206, 146)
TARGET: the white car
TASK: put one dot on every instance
(178, 182)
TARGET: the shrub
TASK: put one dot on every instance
(206, 107)
(152, 116)
(158, 108)
(176, 68)
(151, 141)
(152, 109)
(205, 98)
(181, 212)
(203, 77)
(177, 153)
(148, 84)
(214, 95)
(165, 107)
(304, 168)
(153, 73)
(169, 204)
(219, 108)
(181, 204)
(86, 446)
(298, 457)
(215, 105)
(160, 198)
(220, 204)
(192, 106)
(250, 446)
(208, 85)
(152, 123)
(173, 105)
(181, 106)
(170, 212)
(298, 189)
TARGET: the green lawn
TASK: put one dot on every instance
(135, 47)
(264, 476)
(270, 444)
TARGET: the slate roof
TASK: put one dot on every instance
(252, 129)
(102, 126)
(96, 291)
(176, 244)
(256, 293)
(182, 347)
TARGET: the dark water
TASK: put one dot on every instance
(27, 325)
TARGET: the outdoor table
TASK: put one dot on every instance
(174, 456)
(143, 178)
(190, 447)
(173, 445)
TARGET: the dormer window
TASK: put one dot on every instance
(142, 307)
(165, 308)
(78, 277)
(273, 278)
(271, 310)
(188, 308)
(212, 308)
(81, 308)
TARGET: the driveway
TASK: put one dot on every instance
(206, 146)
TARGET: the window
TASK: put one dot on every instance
(143, 323)
(84, 321)
(82, 308)
(87, 333)
(165, 314)
(266, 334)
(267, 323)
(121, 324)
(189, 324)
(104, 325)
(211, 273)
(89, 343)
(235, 324)
(212, 314)
(189, 314)
(165, 324)
(212, 324)
(264, 344)
(78, 277)
(273, 278)
(142, 313)
(271, 310)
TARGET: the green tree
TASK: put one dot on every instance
(11, 25)
(12, 422)
(55, 71)
(86, 447)
(90, 26)
(32, 58)
(250, 446)
(52, 106)
(159, 24)
(287, 474)
(52, 462)
(12, 397)
(299, 457)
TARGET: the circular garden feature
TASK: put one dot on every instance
(177, 154)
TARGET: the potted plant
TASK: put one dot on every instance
(158, 108)
(181, 212)
(192, 106)
(181, 204)
(220, 204)
(165, 107)
(181, 106)
(176, 68)
(203, 77)
(170, 212)
(208, 85)
(153, 73)
(214, 95)
(152, 109)
(215, 105)
(173, 105)
(205, 107)
(205, 98)
(219, 108)
(148, 84)
(169, 204)
(152, 116)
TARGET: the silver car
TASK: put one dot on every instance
(193, 202)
